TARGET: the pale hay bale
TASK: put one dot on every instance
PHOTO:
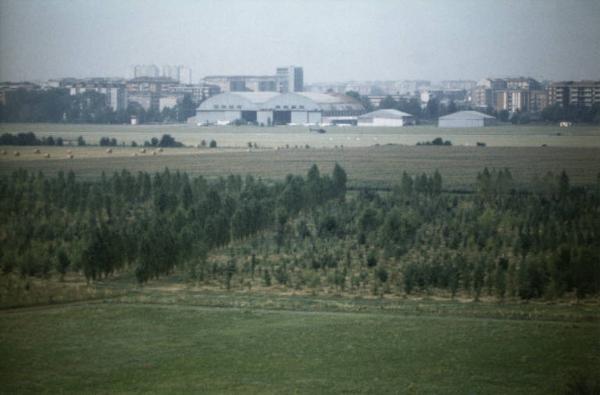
(36, 151)
(17, 153)
(143, 150)
(160, 150)
(154, 153)
(70, 156)
(109, 151)
(3, 152)
(46, 155)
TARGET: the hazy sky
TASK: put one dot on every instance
(332, 40)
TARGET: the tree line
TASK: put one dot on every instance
(57, 105)
(147, 223)
(29, 138)
(558, 113)
(307, 232)
(434, 109)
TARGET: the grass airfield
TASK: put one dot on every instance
(373, 157)
(506, 135)
(165, 339)
(377, 166)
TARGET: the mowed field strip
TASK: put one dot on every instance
(118, 348)
(270, 137)
(379, 166)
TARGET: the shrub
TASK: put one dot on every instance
(281, 275)
(381, 274)
(168, 141)
(267, 278)
(436, 141)
(371, 259)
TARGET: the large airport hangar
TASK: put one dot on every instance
(336, 108)
(466, 119)
(276, 108)
(387, 117)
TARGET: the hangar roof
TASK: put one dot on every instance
(333, 102)
(387, 113)
(256, 97)
(237, 101)
(256, 101)
(466, 115)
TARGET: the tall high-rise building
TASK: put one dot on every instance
(286, 79)
(171, 72)
(290, 79)
(458, 84)
(181, 74)
(510, 94)
(185, 75)
(574, 93)
(146, 70)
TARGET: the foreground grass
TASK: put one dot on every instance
(122, 346)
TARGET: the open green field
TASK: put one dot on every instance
(231, 136)
(139, 344)
(367, 166)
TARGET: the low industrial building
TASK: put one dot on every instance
(466, 119)
(273, 108)
(388, 117)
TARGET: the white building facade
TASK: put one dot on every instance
(466, 119)
(386, 118)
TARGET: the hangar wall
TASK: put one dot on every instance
(264, 117)
(217, 116)
(461, 123)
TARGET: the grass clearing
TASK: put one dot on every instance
(172, 337)
(123, 347)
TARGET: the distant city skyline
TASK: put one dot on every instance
(332, 40)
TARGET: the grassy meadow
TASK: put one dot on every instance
(372, 156)
(380, 166)
(139, 344)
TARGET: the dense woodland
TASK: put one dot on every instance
(308, 233)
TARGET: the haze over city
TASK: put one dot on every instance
(332, 40)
